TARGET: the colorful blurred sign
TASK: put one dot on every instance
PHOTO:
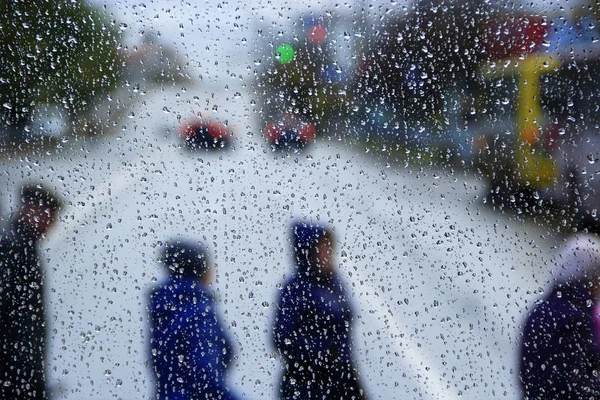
(513, 35)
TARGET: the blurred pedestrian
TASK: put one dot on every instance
(312, 329)
(560, 350)
(22, 312)
(190, 350)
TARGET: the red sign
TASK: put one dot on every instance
(513, 35)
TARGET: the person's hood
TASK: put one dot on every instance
(184, 258)
(305, 237)
(578, 260)
(179, 290)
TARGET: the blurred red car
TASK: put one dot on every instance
(290, 132)
(200, 133)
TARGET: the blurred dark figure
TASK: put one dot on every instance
(313, 324)
(190, 351)
(560, 352)
(22, 315)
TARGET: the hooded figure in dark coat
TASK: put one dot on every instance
(560, 350)
(312, 329)
(22, 305)
(190, 350)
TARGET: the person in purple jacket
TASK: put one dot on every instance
(190, 351)
(560, 348)
(312, 327)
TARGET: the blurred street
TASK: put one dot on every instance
(440, 283)
(432, 138)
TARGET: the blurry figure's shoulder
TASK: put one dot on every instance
(296, 282)
(338, 283)
(305, 286)
(293, 281)
(180, 290)
(563, 303)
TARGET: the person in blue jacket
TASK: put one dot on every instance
(190, 351)
(560, 348)
(312, 327)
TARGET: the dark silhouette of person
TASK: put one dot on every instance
(312, 327)
(22, 313)
(560, 348)
(190, 351)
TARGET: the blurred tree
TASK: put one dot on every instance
(313, 85)
(300, 87)
(54, 52)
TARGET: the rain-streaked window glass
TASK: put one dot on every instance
(299, 200)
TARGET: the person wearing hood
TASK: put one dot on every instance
(190, 351)
(560, 348)
(312, 326)
(22, 303)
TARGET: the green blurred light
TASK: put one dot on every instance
(285, 53)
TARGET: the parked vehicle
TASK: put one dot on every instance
(201, 133)
(289, 132)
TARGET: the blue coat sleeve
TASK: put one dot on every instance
(294, 333)
(210, 348)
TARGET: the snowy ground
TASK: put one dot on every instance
(440, 283)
